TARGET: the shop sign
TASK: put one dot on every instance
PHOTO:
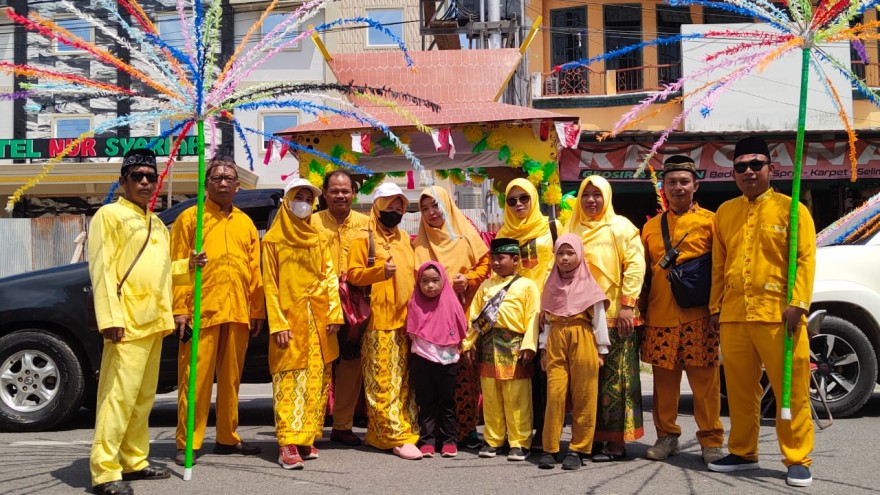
(619, 161)
(109, 147)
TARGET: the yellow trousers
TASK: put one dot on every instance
(126, 391)
(507, 408)
(391, 408)
(347, 384)
(299, 397)
(706, 385)
(572, 366)
(744, 347)
(221, 352)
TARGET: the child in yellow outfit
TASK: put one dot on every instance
(507, 307)
(574, 340)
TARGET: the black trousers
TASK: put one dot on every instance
(539, 400)
(434, 385)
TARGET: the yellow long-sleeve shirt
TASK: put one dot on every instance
(699, 224)
(340, 235)
(387, 305)
(750, 259)
(116, 234)
(232, 287)
(299, 281)
(625, 247)
(518, 311)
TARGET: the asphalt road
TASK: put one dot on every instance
(845, 462)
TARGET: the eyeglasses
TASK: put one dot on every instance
(513, 200)
(216, 179)
(152, 178)
(755, 165)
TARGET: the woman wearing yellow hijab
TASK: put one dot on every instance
(391, 410)
(524, 222)
(465, 257)
(302, 303)
(616, 257)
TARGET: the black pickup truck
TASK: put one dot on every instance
(50, 348)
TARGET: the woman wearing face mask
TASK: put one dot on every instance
(384, 349)
(614, 252)
(304, 313)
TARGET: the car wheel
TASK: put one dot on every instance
(41, 381)
(844, 365)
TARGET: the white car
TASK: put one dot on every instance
(845, 353)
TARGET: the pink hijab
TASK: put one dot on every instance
(439, 320)
(572, 296)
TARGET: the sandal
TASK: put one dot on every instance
(147, 473)
(606, 456)
(113, 488)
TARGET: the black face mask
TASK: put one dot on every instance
(390, 219)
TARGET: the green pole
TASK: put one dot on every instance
(785, 413)
(197, 313)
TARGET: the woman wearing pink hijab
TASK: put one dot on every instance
(436, 326)
(574, 338)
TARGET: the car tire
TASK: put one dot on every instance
(846, 367)
(41, 381)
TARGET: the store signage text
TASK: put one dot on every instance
(41, 149)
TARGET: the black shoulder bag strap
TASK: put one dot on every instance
(371, 260)
(553, 233)
(136, 258)
(664, 229)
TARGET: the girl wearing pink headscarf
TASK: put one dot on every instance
(436, 326)
(574, 338)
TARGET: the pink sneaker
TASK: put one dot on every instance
(427, 450)
(408, 451)
(308, 452)
(449, 450)
(289, 457)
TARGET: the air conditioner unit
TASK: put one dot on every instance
(469, 197)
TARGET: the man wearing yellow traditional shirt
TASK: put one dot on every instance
(748, 300)
(341, 225)
(232, 306)
(677, 339)
(131, 273)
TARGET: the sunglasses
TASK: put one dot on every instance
(524, 199)
(755, 165)
(152, 178)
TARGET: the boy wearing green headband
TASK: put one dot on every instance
(505, 332)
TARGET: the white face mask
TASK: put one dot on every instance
(300, 209)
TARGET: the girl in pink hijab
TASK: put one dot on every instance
(436, 326)
(574, 338)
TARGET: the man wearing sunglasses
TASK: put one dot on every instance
(233, 309)
(131, 273)
(748, 302)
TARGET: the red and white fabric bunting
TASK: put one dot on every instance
(275, 151)
(569, 134)
(360, 142)
(443, 141)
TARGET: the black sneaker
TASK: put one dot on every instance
(473, 441)
(240, 448)
(488, 451)
(547, 461)
(517, 454)
(731, 463)
(799, 475)
(572, 461)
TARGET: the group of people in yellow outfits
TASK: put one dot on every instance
(561, 321)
